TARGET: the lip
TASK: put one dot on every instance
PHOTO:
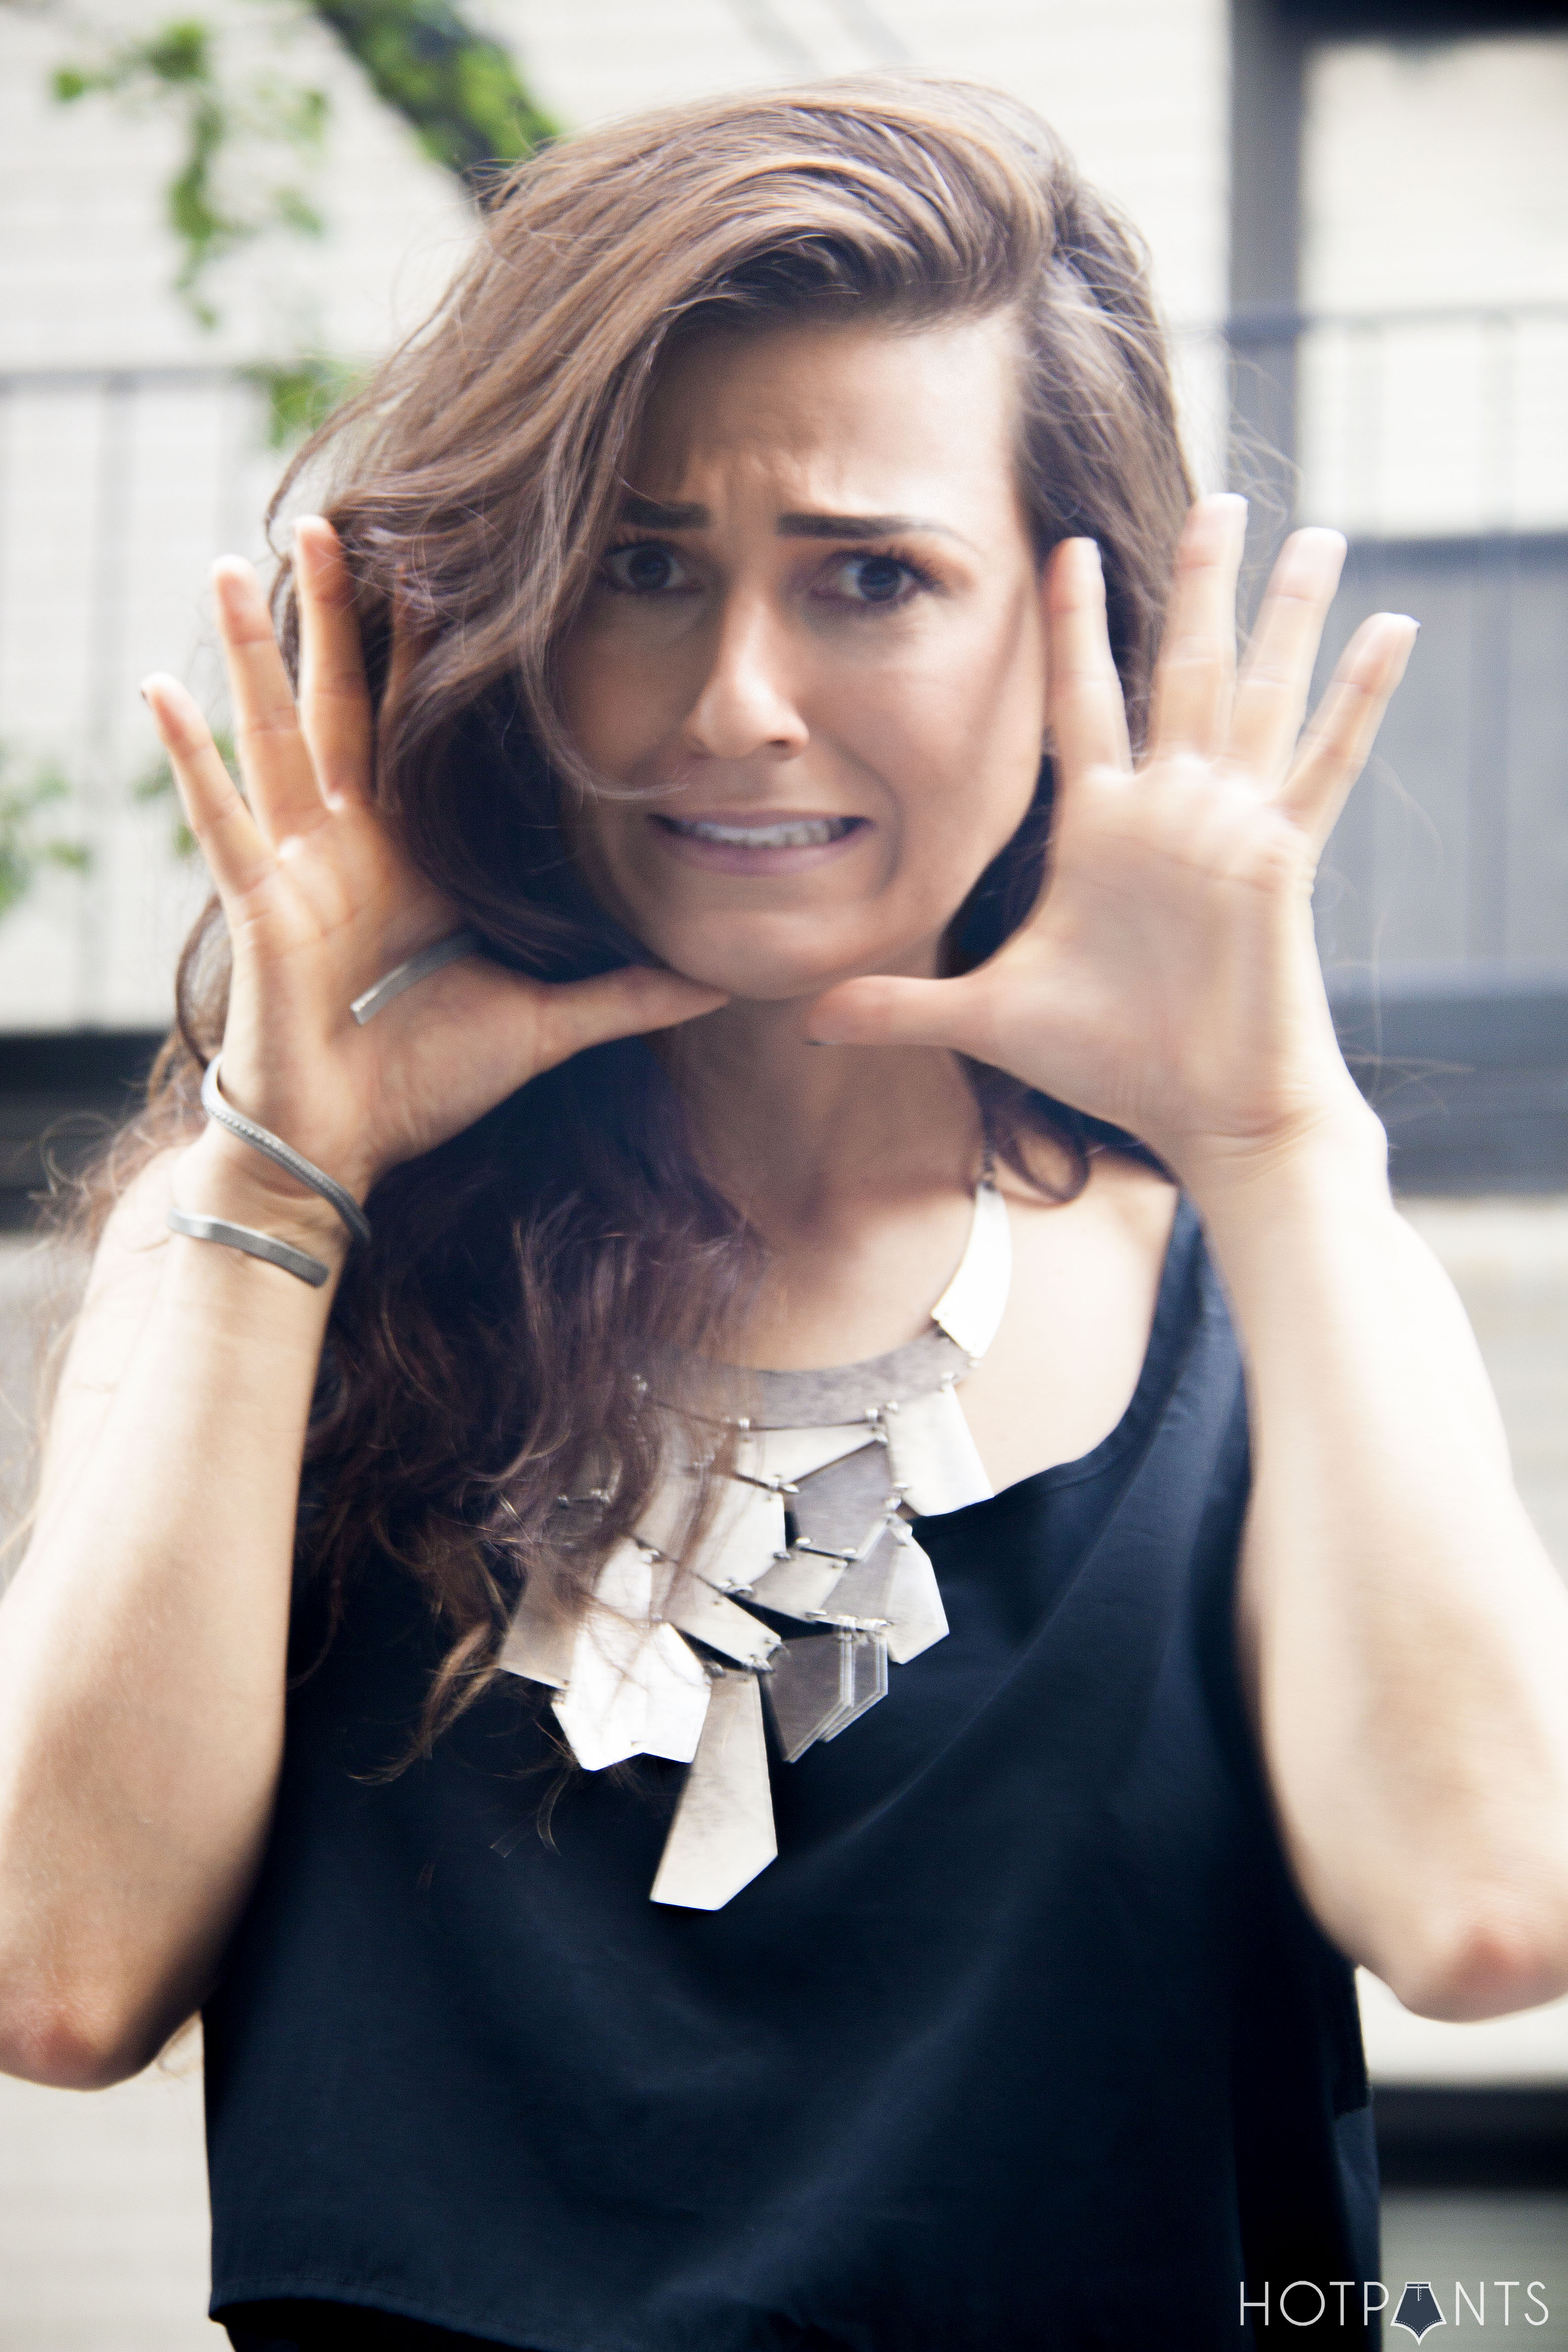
(752, 858)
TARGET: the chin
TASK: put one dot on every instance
(779, 961)
(754, 982)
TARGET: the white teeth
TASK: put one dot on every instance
(808, 832)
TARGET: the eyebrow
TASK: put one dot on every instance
(850, 526)
(657, 514)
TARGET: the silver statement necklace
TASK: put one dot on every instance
(811, 1522)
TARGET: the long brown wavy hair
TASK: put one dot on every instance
(482, 1359)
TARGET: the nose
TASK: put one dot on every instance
(746, 704)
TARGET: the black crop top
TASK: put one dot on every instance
(1026, 2040)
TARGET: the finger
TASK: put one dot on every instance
(627, 1004)
(1336, 746)
(334, 699)
(237, 856)
(1272, 699)
(882, 1012)
(1087, 717)
(1197, 675)
(273, 757)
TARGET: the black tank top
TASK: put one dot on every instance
(1024, 2040)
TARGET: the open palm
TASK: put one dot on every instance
(320, 902)
(1167, 978)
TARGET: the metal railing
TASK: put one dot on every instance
(1429, 421)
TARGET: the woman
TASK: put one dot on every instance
(766, 541)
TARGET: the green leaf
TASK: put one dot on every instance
(235, 128)
(294, 211)
(459, 90)
(301, 393)
(26, 846)
(181, 52)
(456, 88)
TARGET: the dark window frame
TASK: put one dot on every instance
(1469, 1062)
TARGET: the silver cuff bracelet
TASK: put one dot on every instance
(418, 967)
(261, 1138)
(244, 1237)
(305, 1171)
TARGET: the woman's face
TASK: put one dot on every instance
(815, 643)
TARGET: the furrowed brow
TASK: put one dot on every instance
(658, 514)
(662, 514)
(855, 526)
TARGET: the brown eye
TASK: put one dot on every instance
(869, 580)
(645, 569)
(878, 579)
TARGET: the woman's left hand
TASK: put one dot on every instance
(1168, 979)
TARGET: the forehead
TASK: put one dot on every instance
(879, 415)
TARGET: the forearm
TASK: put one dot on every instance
(143, 1648)
(1405, 1633)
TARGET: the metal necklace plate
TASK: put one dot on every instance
(811, 1523)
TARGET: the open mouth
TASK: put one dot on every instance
(792, 833)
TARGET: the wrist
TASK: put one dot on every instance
(218, 1176)
(300, 1167)
(1338, 1155)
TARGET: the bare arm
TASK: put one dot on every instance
(1405, 1638)
(142, 1641)
(1403, 1635)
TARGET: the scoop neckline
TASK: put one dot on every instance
(1153, 1375)
(1150, 1373)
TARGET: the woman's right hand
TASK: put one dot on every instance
(321, 902)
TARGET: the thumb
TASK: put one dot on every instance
(884, 1012)
(578, 1013)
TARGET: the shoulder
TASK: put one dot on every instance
(1079, 1322)
(1114, 1233)
(1138, 1202)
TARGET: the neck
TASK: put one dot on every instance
(798, 1135)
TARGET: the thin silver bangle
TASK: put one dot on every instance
(261, 1138)
(244, 1237)
(418, 967)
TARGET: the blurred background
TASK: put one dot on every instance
(1358, 215)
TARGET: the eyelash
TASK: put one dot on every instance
(626, 547)
(921, 577)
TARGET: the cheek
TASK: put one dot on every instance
(610, 700)
(960, 739)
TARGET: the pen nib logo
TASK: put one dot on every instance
(1418, 2309)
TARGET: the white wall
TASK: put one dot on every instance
(1435, 177)
(1138, 87)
